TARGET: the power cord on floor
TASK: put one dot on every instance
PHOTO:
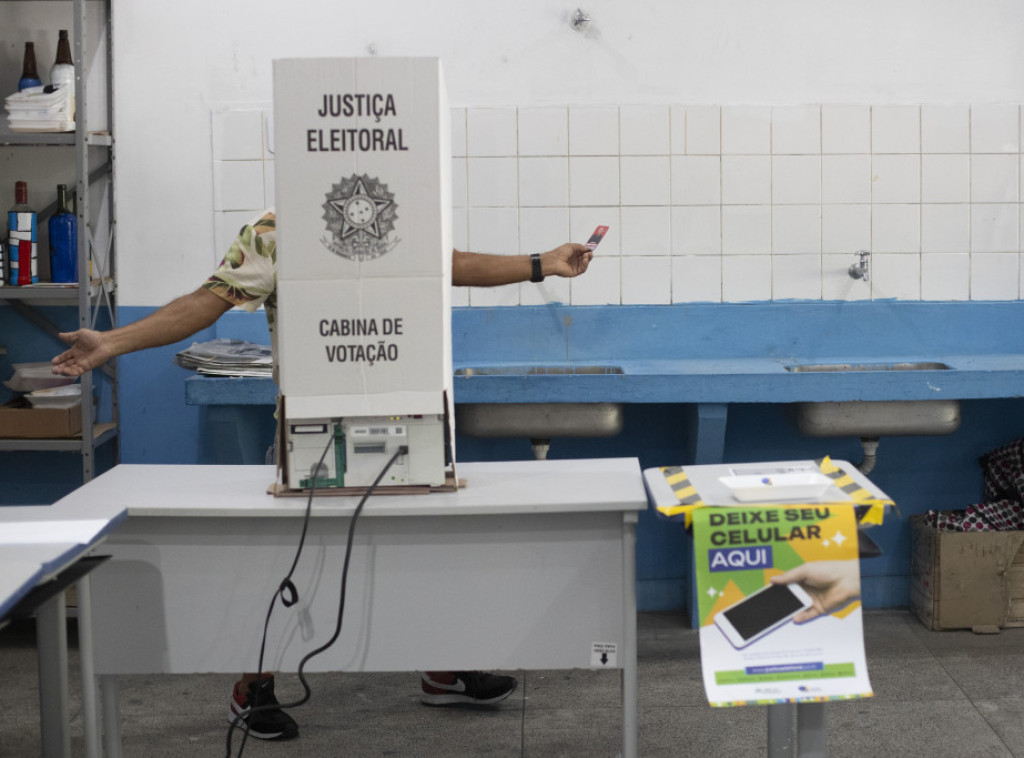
(292, 597)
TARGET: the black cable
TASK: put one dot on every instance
(237, 722)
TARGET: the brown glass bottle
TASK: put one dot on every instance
(29, 75)
(62, 72)
(63, 48)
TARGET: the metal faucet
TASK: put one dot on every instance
(859, 270)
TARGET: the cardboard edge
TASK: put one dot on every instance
(451, 484)
(18, 408)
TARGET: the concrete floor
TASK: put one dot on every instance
(936, 694)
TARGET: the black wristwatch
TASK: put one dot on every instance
(536, 272)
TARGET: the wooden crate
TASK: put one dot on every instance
(966, 580)
(1015, 585)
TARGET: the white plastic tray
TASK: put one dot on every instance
(28, 377)
(56, 397)
(802, 487)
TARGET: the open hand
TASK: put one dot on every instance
(88, 350)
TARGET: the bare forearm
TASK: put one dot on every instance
(485, 270)
(178, 320)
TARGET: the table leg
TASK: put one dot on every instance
(54, 710)
(110, 692)
(811, 730)
(90, 714)
(780, 730)
(630, 694)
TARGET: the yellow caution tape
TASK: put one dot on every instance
(871, 509)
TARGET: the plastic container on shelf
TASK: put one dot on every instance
(29, 377)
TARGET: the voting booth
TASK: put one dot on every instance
(363, 187)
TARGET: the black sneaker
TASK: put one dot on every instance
(272, 724)
(465, 687)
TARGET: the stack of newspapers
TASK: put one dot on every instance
(41, 109)
(227, 357)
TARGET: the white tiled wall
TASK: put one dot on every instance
(716, 204)
(243, 171)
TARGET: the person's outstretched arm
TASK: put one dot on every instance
(487, 270)
(179, 319)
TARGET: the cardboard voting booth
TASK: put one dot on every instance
(363, 191)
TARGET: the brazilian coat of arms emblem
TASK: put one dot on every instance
(360, 213)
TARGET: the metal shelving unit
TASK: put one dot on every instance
(91, 147)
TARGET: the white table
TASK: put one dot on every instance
(530, 565)
(30, 562)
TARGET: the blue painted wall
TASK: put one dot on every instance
(918, 472)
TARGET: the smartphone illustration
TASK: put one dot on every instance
(597, 236)
(762, 612)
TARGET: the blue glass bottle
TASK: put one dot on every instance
(63, 228)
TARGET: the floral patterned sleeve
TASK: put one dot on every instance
(247, 277)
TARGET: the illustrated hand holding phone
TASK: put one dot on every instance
(799, 595)
(831, 585)
(761, 612)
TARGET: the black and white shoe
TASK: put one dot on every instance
(465, 687)
(271, 724)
